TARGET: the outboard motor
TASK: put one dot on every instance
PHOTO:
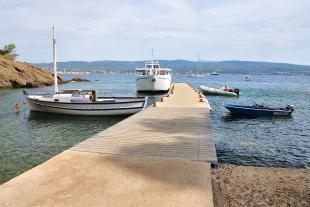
(237, 91)
(289, 108)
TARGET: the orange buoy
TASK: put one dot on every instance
(17, 106)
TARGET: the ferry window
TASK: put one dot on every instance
(140, 72)
(156, 66)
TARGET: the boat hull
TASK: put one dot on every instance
(256, 112)
(86, 109)
(153, 83)
(216, 92)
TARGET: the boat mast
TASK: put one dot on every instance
(54, 61)
(152, 62)
(198, 64)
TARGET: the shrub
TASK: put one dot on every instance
(8, 51)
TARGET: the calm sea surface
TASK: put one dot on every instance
(27, 140)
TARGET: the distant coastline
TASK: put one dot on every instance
(111, 72)
(182, 67)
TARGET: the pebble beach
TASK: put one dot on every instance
(260, 186)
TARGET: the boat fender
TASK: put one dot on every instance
(237, 91)
(153, 79)
(17, 106)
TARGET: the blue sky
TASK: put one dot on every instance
(260, 30)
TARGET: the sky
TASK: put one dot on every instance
(214, 30)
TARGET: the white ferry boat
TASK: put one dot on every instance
(153, 78)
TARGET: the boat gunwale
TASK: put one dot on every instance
(228, 106)
(77, 109)
(136, 100)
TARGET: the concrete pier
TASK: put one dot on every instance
(158, 157)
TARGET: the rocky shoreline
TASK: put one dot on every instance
(15, 74)
(260, 186)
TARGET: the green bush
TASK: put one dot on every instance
(8, 51)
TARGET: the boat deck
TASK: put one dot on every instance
(158, 157)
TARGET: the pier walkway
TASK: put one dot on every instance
(158, 157)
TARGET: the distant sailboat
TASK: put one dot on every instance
(197, 74)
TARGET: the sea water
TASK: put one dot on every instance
(28, 139)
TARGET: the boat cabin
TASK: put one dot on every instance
(152, 68)
(69, 96)
(76, 95)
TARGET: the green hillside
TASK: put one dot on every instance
(185, 66)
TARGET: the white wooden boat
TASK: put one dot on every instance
(223, 91)
(153, 78)
(82, 102)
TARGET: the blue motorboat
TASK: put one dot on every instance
(259, 110)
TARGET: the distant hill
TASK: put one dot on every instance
(185, 66)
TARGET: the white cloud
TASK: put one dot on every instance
(274, 30)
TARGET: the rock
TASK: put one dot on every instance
(15, 74)
(78, 79)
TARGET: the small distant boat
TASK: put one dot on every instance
(247, 78)
(223, 91)
(214, 73)
(259, 110)
(198, 73)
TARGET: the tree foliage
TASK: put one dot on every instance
(8, 51)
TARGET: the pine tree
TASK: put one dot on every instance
(8, 51)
